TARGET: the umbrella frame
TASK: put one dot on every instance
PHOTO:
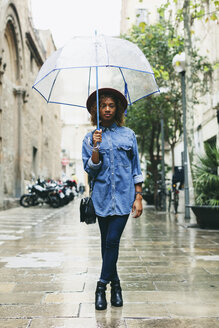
(126, 91)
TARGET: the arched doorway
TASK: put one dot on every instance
(12, 108)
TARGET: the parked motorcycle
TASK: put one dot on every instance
(66, 194)
(40, 193)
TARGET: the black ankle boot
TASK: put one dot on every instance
(100, 300)
(116, 294)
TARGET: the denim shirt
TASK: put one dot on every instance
(117, 172)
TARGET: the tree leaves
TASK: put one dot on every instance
(160, 43)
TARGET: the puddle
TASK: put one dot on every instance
(34, 260)
(11, 231)
(208, 258)
(77, 238)
(9, 237)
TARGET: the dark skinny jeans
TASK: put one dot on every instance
(111, 229)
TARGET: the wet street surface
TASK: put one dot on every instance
(50, 263)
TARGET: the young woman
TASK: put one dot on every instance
(110, 157)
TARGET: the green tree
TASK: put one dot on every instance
(160, 43)
(198, 10)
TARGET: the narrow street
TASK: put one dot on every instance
(50, 262)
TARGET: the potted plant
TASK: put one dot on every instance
(206, 184)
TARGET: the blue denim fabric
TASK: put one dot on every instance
(111, 229)
(117, 173)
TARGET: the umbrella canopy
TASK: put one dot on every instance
(85, 64)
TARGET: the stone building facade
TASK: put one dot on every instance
(30, 129)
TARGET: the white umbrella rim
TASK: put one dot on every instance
(80, 106)
(94, 66)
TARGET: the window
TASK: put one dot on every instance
(141, 16)
(211, 142)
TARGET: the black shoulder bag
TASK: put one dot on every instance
(87, 212)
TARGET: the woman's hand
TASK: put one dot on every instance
(137, 208)
(137, 205)
(97, 137)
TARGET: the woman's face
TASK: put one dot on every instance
(107, 111)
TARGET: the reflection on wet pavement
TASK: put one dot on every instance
(49, 265)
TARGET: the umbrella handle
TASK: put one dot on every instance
(97, 93)
(98, 111)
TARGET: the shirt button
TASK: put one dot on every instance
(112, 173)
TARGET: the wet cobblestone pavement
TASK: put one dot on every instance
(49, 265)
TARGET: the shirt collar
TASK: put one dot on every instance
(113, 127)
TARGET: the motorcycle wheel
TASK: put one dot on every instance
(26, 201)
(54, 202)
(71, 197)
(35, 201)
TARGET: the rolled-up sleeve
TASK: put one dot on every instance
(136, 168)
(91, 168)
(94, 166)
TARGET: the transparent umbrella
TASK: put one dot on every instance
(85, 64)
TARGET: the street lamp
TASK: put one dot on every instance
(179, 66)
(163, 90)
(163, 163)
(163, 194)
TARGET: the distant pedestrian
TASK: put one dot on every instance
(110, 157)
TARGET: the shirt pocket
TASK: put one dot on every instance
(124, 155)
(104, 157)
